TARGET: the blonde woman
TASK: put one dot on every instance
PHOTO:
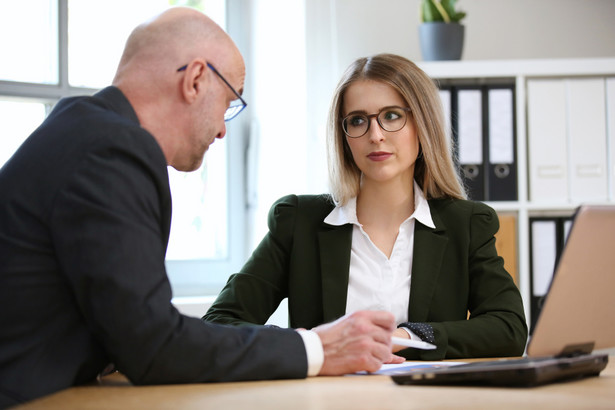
(396, 232)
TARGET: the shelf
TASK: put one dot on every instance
(522, 73)
(514, 68)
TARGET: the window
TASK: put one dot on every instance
(17, 120)
(66, 47)
(34, 58)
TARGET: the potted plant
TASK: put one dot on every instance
(440, 33)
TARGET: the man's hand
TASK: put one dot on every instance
(356, 342)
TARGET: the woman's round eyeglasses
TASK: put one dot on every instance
(390, 119)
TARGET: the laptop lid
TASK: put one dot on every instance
(579, 309)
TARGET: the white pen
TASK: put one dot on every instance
(412, 343)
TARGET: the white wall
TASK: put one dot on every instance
(495, 29)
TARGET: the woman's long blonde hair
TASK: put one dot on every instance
(434, 170)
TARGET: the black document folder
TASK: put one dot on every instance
(483, 121)
(500, 130)
(469, 137)
(577, 317)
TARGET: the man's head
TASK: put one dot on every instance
(183, 109)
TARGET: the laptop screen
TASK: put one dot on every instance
(579, 310)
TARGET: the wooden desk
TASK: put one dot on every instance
(347, 392)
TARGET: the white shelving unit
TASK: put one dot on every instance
(518, 72)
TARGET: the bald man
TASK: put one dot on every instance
(85, 212)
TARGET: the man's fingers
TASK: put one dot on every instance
(356, 342)
(379, 318)
(394, 359)
(377, 325)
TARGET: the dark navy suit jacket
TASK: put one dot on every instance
(85, 211)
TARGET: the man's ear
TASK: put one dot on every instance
(195, 79)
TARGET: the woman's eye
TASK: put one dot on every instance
(392, 115)
(356, 121)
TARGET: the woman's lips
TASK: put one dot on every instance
(379, 156)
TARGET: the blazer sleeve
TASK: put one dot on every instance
(473, 279)
(252, 295)
(109, 231)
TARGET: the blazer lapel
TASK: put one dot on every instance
(334, 243)
(429, 247)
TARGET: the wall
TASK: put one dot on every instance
(495, 29)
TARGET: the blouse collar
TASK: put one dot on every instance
(347, 214)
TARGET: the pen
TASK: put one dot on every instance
(412, 343)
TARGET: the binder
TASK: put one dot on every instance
(483, 120)
(547, 146)
(502, 165)
(469, 141)
(547, 238)
(567, 139)
(587, 131)
(506, 244)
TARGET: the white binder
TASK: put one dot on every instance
(544, 253)
(587, 144)
(547, 145)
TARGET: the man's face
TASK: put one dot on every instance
(208, 121)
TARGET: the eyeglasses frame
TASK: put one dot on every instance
(243, 105)
(369, 120)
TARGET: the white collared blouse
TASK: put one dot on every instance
(377, 282)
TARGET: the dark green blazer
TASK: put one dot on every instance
(455, 269)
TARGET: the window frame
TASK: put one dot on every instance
(202, 277)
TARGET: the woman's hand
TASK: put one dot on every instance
(402, 334)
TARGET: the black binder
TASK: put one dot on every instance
(469, 137)
(484, 137)
(501, 131)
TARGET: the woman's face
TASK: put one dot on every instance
(382, 156)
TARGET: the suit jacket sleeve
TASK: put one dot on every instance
(110, 226)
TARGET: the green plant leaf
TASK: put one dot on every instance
(429, 12)
(449, 6)
(458, 16)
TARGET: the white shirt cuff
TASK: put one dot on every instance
(314, 351)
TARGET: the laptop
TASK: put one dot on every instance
(582, 293)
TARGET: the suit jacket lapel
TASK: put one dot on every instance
(334, 243)
(429, 247)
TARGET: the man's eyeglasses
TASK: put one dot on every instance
(390, 119)
(236, 106)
